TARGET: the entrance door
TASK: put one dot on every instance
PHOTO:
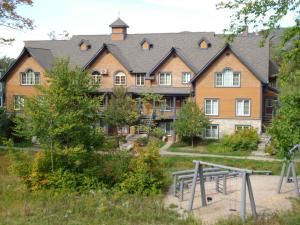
(269, 106)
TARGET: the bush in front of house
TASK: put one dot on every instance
(142, 141)
(241, 140)
(158, 132)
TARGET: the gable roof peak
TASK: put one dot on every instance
(119, 23)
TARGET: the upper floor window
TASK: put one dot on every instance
(186, 77)
(19, 102)
(96, 78)
(120, 78)
(165, 79)
(30, 78)
(140, 79)
(243, 107)
(211, 107)
(227, 78)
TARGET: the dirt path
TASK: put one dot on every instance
(163, 151)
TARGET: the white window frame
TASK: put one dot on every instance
(220, 78)
(119, 76)
(21, 103)
(211, 100)
(96, 78)
(186, 77)
(30, 78)
(242, 127)
(237, 113)
(167, 82)
(139, 79)
(210, 127)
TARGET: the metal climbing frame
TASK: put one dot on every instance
(290, 169)
(246, 184)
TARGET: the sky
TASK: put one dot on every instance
(94, 17)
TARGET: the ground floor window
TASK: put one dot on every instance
(166, 126)
(166, 104)
(212, 132)
(242, 127)
(19, 102)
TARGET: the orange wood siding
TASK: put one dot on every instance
(176, 66)
(109, 62)
(13, 82)
(250, 88)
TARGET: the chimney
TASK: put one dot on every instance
(245, 31)
(118, 30)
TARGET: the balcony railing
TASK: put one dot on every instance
(161, 112)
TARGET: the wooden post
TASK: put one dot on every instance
(194, 186)
(174, 184)
(224, 184)
(296, 187)
(174, 118)
(251, 197)
(288, 173)
(243, 197)
(181, 189)
(281, 177)
(202, 185)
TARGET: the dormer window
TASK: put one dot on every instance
(146, 44)
(84, 45)
(30, 78)
(96, 78)
(204, 44)
(227, 78)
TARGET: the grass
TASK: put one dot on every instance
(19, 206)
(206, 147)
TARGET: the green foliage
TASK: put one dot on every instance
(142, 141)
(158, 132)
(5, 62)
(241, 140)
(122, 109)
(191, 121)
(111, 143)
(64, 114)
(145, 176)
(148, 97)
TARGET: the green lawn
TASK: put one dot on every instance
(205, 147)
(19, 206)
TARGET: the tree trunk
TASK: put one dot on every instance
(192, 142)
(52, 160)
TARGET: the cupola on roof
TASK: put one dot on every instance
(119, 23)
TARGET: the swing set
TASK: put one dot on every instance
(290, 161)
(246, 185)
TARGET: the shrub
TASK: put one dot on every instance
(158, 132)
(142, 141)
(243, 140)
(145, 175)
(110, 143)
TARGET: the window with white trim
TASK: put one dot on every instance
(120, 78)
(30, 78)
(140, 80)
(243, 107)
(186, 77)
(165, 79)
(19, 102)
(212, 131)
(227, 78)
(211, 107)
(96, 78)
(242, 127)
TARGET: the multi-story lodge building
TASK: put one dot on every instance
(231, 82)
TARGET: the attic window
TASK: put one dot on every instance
(203, 44)
(146, 44)
(84, 45)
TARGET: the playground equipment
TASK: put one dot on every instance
(199, 175)
(290, 161)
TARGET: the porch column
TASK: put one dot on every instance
(153, 109)
(174, 118)
(106, 103)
